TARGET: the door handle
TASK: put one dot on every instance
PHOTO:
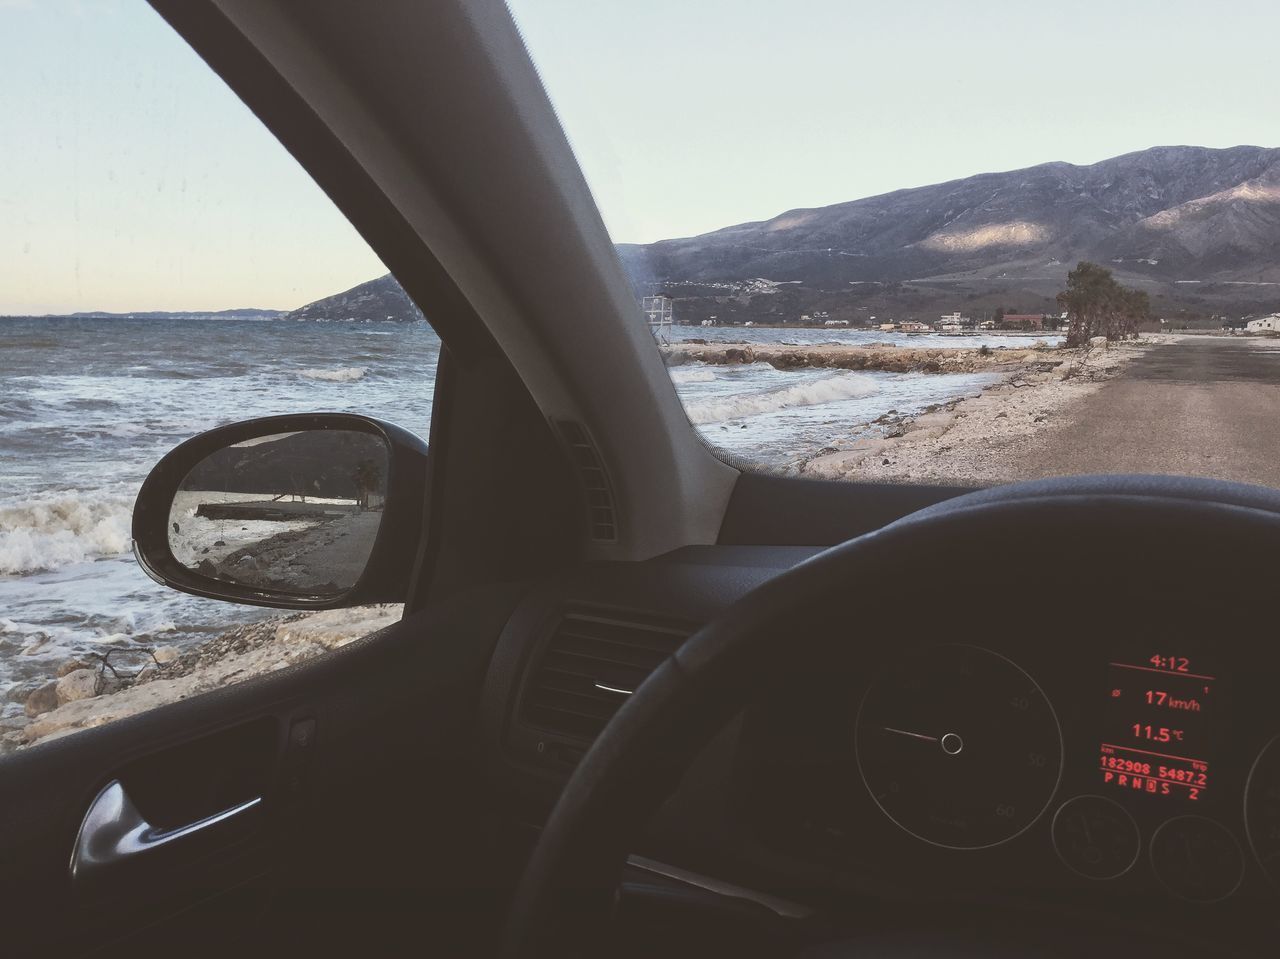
(113, 831)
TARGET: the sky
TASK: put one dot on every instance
(132, 179)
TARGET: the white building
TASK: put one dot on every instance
(1266, 324)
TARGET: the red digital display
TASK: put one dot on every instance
(1156, 738)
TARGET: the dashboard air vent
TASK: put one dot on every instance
(588, 667)
(601, 518)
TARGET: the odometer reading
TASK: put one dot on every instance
(959, 746)
(1156, 738)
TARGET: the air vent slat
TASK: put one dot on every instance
(598, 673)
(666, 638)
(576, 673)
(563, 691)
(645, 659)
(583, 689)
(576, 704)
(601, 517)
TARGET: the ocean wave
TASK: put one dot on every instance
(828, 389)
(339, 374)
(692, 374)
(63, 528)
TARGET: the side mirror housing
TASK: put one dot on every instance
(310, 511)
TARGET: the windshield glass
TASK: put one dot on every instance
(942, 243)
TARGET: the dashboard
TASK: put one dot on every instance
(993, 749)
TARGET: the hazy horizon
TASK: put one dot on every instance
(143, 184)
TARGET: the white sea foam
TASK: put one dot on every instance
(126, 430)
(339, 374)
(62, 528)
(828, 389)
(692, 374)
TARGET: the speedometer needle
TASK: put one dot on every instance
(903, 732)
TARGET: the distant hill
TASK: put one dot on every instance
(380, 299)
(247, 313)
(1198, 228)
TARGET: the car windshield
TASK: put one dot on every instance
(955, 244)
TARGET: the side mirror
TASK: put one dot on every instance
(314, 511)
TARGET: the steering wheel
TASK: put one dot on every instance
(1092, 527)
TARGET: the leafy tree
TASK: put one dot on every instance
(1097, 305)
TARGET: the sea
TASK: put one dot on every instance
(88, 405)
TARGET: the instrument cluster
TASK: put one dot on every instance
(963, 749)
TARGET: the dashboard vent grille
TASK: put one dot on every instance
(601, 518)
(588, 667)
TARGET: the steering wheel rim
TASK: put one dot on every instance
(568, 888)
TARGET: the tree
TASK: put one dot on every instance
(1136, 310)
(1097, 305)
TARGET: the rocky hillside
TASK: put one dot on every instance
(380, 299)
(1198, 228)
(1186, 213)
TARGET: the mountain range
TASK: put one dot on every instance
(1199, 228)
(1167, 212)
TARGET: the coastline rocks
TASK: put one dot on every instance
(42, 700)
(880, 357)
(336, 627)
(77, 684)
(64, 705)
(71, 665)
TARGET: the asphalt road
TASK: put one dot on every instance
(1200, 407)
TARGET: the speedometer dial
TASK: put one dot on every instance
(959, 746)
(1262, 809)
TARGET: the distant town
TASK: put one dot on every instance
(663, 312)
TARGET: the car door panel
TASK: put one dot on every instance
(360, 743)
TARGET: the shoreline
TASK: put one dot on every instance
(876, 357)
(953, 443)
(872, 329)
(88, 693)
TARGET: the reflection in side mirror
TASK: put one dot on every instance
(305, 511)
(291, 512)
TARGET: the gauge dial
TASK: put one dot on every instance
(1197, 858)
(1096, 837)
(958, 746)
(1262, 809)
